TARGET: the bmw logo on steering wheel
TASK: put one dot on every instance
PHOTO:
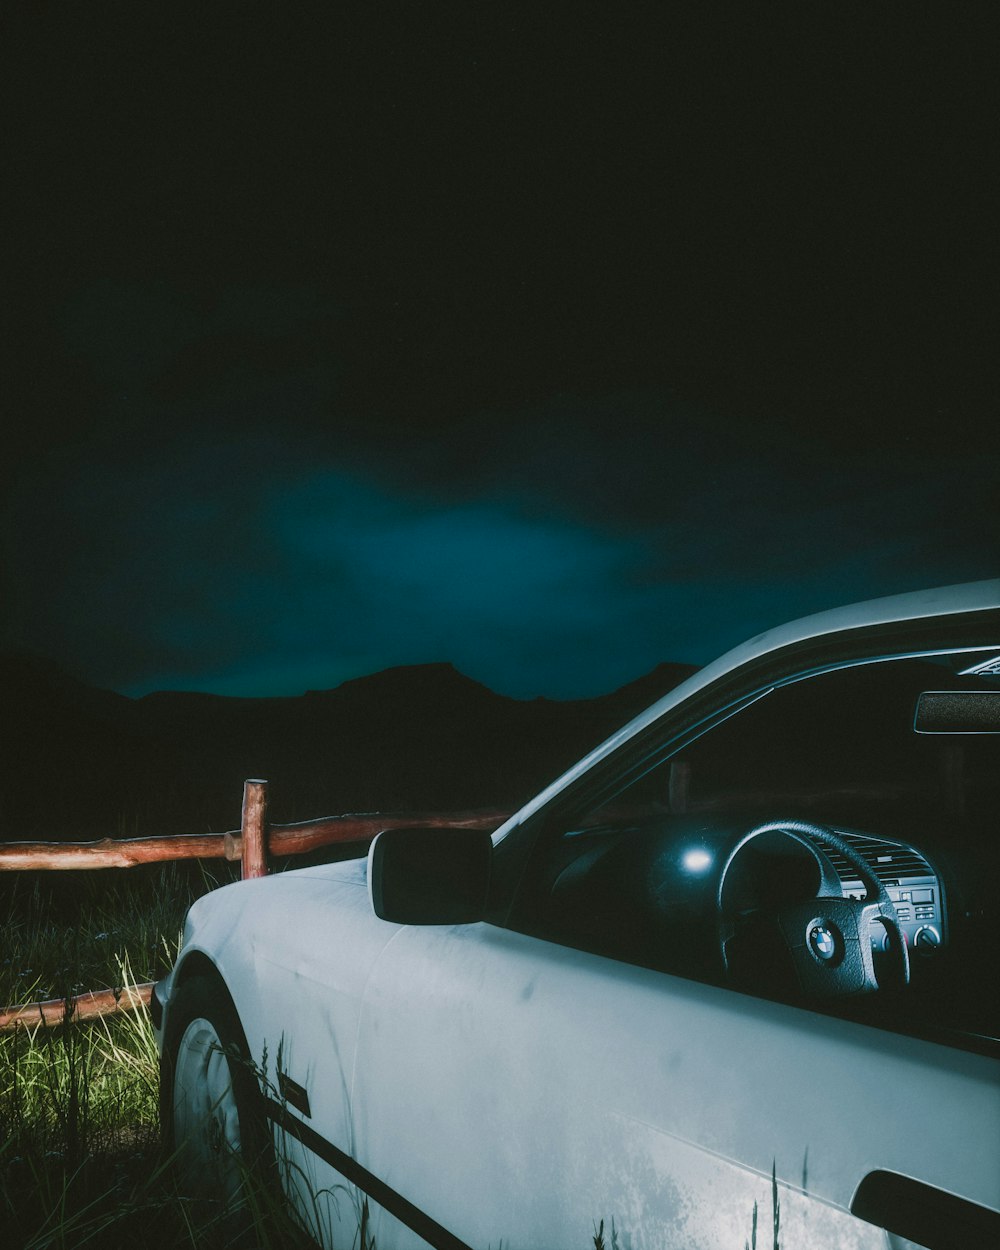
(822, 941)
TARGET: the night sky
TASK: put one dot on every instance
(552, 340)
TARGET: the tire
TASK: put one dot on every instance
(211, 1112)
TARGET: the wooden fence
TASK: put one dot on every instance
(254, 844)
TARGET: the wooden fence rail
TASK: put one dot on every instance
(78, 1007)
(253, 844)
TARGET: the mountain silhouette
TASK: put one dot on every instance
(81, 762)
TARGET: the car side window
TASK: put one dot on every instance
(635, 877)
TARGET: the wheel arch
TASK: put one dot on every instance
(196, 963)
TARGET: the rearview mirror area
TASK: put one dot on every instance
(958, 712)
(430, 875)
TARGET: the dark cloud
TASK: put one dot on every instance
(552, 342)
(255, 563)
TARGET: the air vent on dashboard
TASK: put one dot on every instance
(890, 861)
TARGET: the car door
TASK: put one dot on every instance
(520, 1086)
(519, 1091)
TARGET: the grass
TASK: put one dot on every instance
(80, 1155)
(68, 932)
(79, 1128)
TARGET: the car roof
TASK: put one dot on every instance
(941, 601)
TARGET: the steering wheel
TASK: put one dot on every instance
(823, 942)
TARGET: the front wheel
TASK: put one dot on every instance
(212, 1120)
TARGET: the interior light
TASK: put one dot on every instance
(696, 860)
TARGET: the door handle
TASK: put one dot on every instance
(921, 1213)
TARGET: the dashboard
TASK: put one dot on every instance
(653, 891)
(916, 890)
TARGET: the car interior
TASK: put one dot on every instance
(833, 844)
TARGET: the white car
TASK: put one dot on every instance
(730, 981)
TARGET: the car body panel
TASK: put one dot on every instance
(295, 951)
(566, 1048)
(412, 1001)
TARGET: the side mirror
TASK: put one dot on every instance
(430, 876)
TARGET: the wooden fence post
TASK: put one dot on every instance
(254, 830)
